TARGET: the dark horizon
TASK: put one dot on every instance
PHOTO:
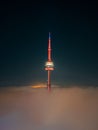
(24, 28)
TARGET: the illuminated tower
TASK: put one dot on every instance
(49, 66)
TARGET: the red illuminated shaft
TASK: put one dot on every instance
(49, 48)
(49, 82)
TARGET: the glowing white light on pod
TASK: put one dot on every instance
(49, 64)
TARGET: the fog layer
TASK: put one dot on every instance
(25, 108)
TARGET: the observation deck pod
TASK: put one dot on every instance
(49, 65)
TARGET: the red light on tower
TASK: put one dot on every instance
(49, 65)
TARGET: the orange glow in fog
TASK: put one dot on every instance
(39, 86)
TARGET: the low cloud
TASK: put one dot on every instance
(71, 108)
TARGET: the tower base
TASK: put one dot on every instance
(49, 87)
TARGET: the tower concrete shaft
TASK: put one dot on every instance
(49, 81)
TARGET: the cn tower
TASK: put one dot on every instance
(49, 65)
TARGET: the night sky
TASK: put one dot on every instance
(24, 27)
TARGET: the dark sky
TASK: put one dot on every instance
(24, 27)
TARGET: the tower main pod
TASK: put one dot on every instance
(49, 66)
